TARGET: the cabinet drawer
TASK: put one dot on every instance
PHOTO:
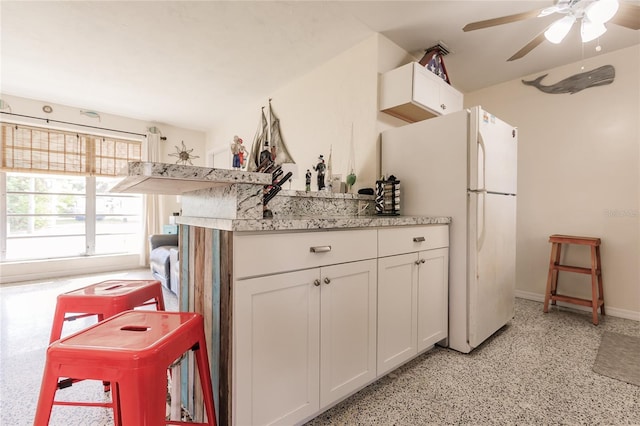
(407, 239)
(259, 254)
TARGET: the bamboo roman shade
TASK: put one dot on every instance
(40, 150)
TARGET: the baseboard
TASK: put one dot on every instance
(614, 312)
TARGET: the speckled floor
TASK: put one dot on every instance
(535, 371)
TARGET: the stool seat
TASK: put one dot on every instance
(569, 239)
(105, 299)
(132, 351)
(597, 294)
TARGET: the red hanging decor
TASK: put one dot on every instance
(434, 62)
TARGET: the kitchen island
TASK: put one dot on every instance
(304, 309)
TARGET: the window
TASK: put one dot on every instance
(55, 188)
(118, 220)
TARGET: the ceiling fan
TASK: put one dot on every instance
(592, 14)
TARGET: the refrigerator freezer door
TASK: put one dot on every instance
(493, 153)
(491, 263)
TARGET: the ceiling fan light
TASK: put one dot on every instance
(591, 30)
(559, 29)
(601, 11)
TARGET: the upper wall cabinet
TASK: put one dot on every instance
(413, 93)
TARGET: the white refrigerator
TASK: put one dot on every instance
(464, 165)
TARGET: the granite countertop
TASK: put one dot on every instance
(144, 177)
(310, 222)
(232, 200)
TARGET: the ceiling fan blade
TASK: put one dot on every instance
(502, 20)
(628, 16)
(529, 46)
(551, 10)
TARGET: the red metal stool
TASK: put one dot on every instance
(105, 300)
(132, 350)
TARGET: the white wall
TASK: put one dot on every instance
(316, 112)
(196, 140)
(578, 174)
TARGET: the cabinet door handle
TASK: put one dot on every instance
(320, 249)
(418, 239)
(417, 262)
(316, 282)
(443, 106)
(327, 280)
(422, 261)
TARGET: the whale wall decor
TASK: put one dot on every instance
(597, 77)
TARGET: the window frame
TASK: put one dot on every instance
(100, 156)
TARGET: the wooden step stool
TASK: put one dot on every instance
(595, 271)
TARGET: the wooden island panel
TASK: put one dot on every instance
(206, 289)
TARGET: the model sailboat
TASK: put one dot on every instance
(268, 158)
(268, 148)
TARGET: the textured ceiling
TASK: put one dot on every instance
(182, 62)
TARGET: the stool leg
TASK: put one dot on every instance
(115, 400)
(594, 284)
(106, 386)
(550, 277)
(58, 321)
(143, 397)
(160, 303)
(554, 281)
(47, 394)
(202, 359)
(600, 286)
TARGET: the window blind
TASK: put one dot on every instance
(36, 149)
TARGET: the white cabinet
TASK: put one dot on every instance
(397, 311)
(305, 339)
(328, 312)
(413, 93)
(433, 297)
(347, 329)
(277, 346)
(412, 293)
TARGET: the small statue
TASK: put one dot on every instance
(308, 181)
(320, 168)
(238, 150)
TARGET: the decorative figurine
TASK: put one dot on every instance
(184, 155)
(238, 150)
(308, 181)
(351, 179)
(320, 168)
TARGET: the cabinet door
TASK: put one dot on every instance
(277, 346)
(397, 310)
(450, 99)
(348, 329)
(433, 293)
(426, 88)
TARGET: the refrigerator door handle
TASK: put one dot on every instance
(484, 161)
(481, 219)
